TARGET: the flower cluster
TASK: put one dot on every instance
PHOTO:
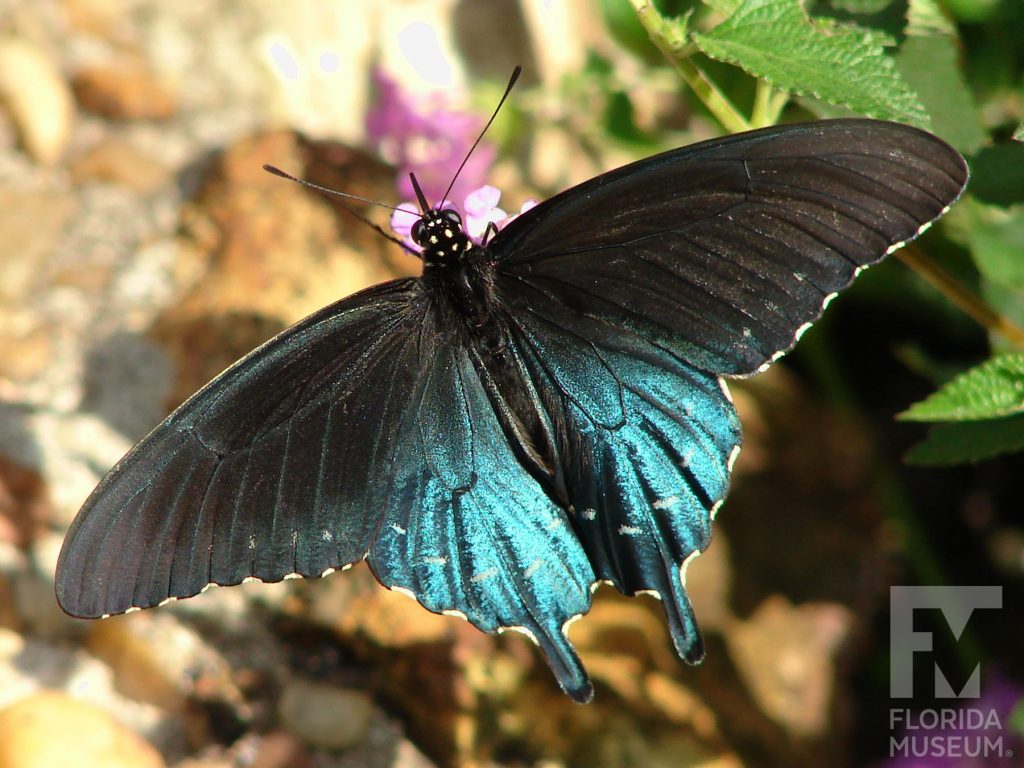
(418, 136)
(479, 209)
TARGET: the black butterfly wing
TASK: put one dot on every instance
(362, 431)
(632, 293)
(262, 473)
(724, 250)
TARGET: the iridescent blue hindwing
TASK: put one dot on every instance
(466, 529)
(649, 441)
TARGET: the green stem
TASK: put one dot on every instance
(763, 98)
(672, 45)
(951, 288)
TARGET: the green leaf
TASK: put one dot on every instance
(997, 245)
(724, 7)
(972, 11)
(997, 174)
(625, 28)
(841, 64)
(988, 391)
(1018, 135)
(1016, 718)
(861, 6)
(925, 17)
(969, 441)
(929, 65)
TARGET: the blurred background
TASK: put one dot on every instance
(143, 249)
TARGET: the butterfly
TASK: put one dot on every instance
(529, 417)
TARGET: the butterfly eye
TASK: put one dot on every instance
(416, 233)
(453, 217)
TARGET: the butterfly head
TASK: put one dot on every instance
(439, 233)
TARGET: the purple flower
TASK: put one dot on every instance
(424, 136)
(479, 209)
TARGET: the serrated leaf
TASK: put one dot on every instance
(988, 391)
(969, 442)
(929, 65)
(842, 64)
(724, 7)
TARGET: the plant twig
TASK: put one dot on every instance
(661, 34)
(956, 293)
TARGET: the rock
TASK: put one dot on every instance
(157, 658)
(325, 716)
(50, 729)
(125, 91)
(280, 749)
(269, 252)
(115, 161)
(38, 99)
(32, 222)
(23, 504)
(786, 655)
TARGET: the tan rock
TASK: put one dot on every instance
(127, 91)
(324, 715)
(117, 162)
(50, 729)
(38, 98)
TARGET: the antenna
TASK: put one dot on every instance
(326, 190)
(420, 197)
(508, 89)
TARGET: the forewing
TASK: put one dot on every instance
(724, 251)
(262, 473)
(647, 444)
(467, 529)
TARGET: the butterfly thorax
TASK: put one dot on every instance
(461, 277)
(460, 269)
